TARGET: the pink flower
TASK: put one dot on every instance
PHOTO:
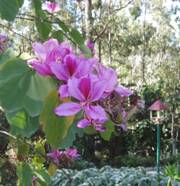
(58, 157)
(87, 92)
(123, 91)
(65, 70)
(72, 153)
(3, 38)
(96, 123)
(52, 7)
(110, 76)
(55, 155)
(47, 53)
(90, 45)
(3, 42)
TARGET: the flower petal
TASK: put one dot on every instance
(67, 109)
(71, 63)
(95, 112)
(74, 91)
(84, 68)
(123, 126)
(50, 45)
(123, 91)
(83, 123)
(85, 86)
(59, 71)
(39, 50)
(42, 68)
(63, 91)
(98, 90)
(111, 79)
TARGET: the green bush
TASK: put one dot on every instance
(133, 161)
(107, 176)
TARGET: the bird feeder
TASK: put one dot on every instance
(156, 112)
(157, 116)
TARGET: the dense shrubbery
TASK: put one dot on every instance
(107, 176)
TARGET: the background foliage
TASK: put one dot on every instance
(139, 38)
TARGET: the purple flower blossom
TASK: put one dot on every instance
(3, 42)
(109, 76)
(123, 91)
(87, 92)
(55, 155)
(90, 45)
(48, 53)
(72, 153)
(62, 157)
(97, 124)
(51, 7)
(85, 80)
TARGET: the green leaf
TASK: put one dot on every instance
(40, 87)
(8, 9)
(71, 136)
(62, 25)
(5, 56)
(42, 24)
(12, 94)
(22, 124)
(21, 88)
(23, 149)
(90, 130)
(25, 174)
(58, 35)
(20, 2)
(55, 128)
(77, 36)
(106, 135)
(43, 176)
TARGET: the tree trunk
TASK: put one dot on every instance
(110, 37)
(172, 135)
(88, 19)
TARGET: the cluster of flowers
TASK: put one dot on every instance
(3, 43)
(84, 79)
(61, 157)
(51, 7)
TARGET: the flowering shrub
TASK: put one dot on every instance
(63, 158)
(85, 80)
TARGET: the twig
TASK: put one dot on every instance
(122, 7)
(7, 134)
(11, 30)
(101, 33)
(34, 18)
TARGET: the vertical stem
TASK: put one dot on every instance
(172, 134)
(109, 35)
(143, 65)
(158, 151)
(99, 47)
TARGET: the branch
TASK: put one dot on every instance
(101, 33)
(122, 7)
(11, 30)
(34, 18)
(114, 11)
